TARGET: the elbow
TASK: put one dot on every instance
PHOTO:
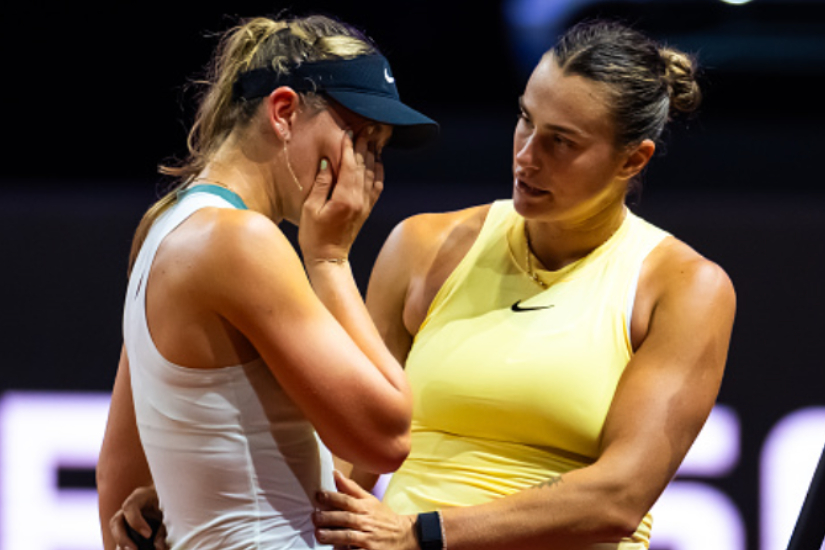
(395, 453)
(618, 519)
(392, 443)
(384, 455)
(377, 454)
(377, 443)
(621, 525)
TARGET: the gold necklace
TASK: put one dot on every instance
(530, 273)
(528, 245)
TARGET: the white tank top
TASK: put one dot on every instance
(235, 462)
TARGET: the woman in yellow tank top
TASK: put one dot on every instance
(563, 353)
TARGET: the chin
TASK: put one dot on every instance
(529, 206)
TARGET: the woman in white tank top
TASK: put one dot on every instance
(241, 362)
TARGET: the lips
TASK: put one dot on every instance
(527, 189)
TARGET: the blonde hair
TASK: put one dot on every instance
(255, 43)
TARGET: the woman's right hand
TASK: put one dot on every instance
(142, 515)
(336, 208)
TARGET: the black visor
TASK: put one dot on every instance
(364, 85)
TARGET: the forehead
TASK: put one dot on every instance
(554, 98)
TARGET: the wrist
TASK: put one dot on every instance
(331, 260)
(334, 263)
(324, 254)
(410, 535)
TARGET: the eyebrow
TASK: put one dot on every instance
(554, 127)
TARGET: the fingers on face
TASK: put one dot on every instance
(361, 159)
(378, 183)
(373, 167)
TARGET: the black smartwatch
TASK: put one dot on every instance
(429, 531)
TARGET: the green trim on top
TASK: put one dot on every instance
(230, 196)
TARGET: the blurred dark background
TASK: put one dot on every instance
(94, 98)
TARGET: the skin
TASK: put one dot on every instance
(305, 320)
(570, 181)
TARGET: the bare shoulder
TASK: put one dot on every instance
(675, 267)
(425, 237)
(216, 263)
(216, 244)
(419, 255)
(215, 234)
(675, 277)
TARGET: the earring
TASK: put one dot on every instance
(291, 171)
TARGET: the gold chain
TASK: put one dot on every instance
(530, 273)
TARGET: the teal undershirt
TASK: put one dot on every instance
(222, 192)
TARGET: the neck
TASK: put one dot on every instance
(251, 176)
(557, 244)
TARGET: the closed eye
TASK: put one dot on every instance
(558, 139)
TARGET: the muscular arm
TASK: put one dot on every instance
(122, 466)
(663, 399)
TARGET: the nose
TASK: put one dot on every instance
(526, 160)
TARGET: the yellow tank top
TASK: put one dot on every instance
(512, 382)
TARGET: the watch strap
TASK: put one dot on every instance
(430, 534)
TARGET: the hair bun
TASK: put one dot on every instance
(680, 75)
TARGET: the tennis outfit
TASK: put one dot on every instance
(512, 382)
(235, 462)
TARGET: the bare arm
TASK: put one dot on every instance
(122, 465)
(663, 399)
(317, 339)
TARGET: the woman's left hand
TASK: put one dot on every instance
(353, 518)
